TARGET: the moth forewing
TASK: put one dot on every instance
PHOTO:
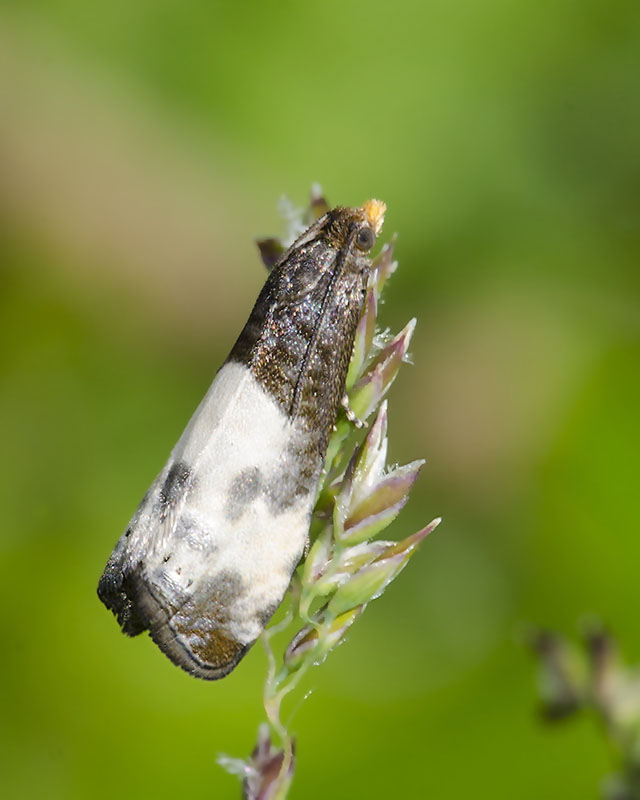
(210, 552)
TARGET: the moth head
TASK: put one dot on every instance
(372, 216)
(356, 227)
(365, 238)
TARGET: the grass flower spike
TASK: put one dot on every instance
(346, 566)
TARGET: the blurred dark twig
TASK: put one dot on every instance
(590, 677)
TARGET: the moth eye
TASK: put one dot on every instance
(365, 238)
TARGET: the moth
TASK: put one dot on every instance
(209, 554)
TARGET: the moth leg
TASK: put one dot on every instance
(349, 412)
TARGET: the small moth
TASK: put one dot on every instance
(209, 554)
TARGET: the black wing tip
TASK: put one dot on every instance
(137, 609)
(114, 591)
(184, 657)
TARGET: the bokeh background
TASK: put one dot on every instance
(142, 147)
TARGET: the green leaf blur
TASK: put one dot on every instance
(143, 146)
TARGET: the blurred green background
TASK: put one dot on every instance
(142, 147)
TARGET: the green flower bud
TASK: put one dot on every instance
(316, 641)
(364, 338)
(370, 582)
(381, 506)
(372, 387)
(384, 265)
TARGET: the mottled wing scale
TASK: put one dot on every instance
(210, 552)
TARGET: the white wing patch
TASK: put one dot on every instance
(211, 548)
